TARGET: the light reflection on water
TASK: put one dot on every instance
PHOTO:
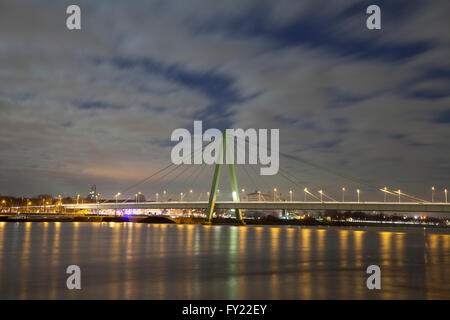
(158, 261)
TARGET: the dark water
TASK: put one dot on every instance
(151, 261)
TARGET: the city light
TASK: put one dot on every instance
(327, 196)
(138, 195)
(312, 195)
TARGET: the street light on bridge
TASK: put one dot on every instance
(385, 193)
(181, 196)
(343, 194)
(78, 199)
(399, 195)
(274, 193)
(321, 194)
(117, 195)
(432, 194)
(445, 192)
(306, 191)
(357, 191)
(138, 195)
(157, 196)
(290, 195)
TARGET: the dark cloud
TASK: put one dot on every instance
(218, 88)
(443, 116)
(101, 105)
(316, 30)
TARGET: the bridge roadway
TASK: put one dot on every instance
(267, 205)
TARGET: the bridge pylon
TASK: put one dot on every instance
(225, 151)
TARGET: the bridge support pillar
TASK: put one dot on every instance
(225, 151)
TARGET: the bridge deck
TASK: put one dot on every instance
(295, 205)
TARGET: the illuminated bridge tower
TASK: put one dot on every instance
(225, 152)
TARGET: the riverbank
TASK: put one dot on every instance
(194, 220)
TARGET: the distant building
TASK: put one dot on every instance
(140, 197)
(256, 196)
(259, 196)
(93, 193)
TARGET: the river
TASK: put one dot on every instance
(166, 261)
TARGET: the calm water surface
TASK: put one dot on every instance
(157, 261)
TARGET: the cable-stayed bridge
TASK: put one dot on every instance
(188, 175)
(320, 200)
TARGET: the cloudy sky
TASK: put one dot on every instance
(98, 106)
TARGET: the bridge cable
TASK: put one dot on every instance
(334, 172)
(179, 174)
(251, 179)
(163, 169)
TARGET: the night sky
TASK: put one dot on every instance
(98, 106)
